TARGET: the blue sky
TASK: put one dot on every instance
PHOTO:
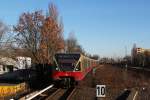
(103, 27)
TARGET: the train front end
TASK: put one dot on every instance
(67, 69)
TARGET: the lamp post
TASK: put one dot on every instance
(126, 57)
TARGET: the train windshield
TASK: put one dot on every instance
(67, 62)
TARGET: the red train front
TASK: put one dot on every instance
(71, 68)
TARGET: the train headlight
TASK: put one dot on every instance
(56, 68)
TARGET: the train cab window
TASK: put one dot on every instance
(66, 62)
(66, 66)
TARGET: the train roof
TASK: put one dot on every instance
(70, 53)
(74, 53)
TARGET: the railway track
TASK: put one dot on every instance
(51, 93)
(62, 94)
(39, 95)
(74, 91)
(57, 94)
(25, 96)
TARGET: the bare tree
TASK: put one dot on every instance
(41, 36)
(52, 35)
(134, 55)
(95, 56)
(3, 30)
(147, 58)
(72, 44)
(28, 33)
(4, 44)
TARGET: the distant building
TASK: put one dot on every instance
(9, 64)
(141, 50)
(23, 62)
(138, 55)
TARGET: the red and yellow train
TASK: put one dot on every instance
(72, 67)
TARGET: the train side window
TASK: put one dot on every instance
(90, 63)
(86, 64)
(83, 64)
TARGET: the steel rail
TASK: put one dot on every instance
(58, 93)
(40, 92)
(71, 94)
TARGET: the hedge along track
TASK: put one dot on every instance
(12, 90)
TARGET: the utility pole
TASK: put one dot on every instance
(126, 57)
(125, 50)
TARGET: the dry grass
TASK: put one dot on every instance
(116, 80)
